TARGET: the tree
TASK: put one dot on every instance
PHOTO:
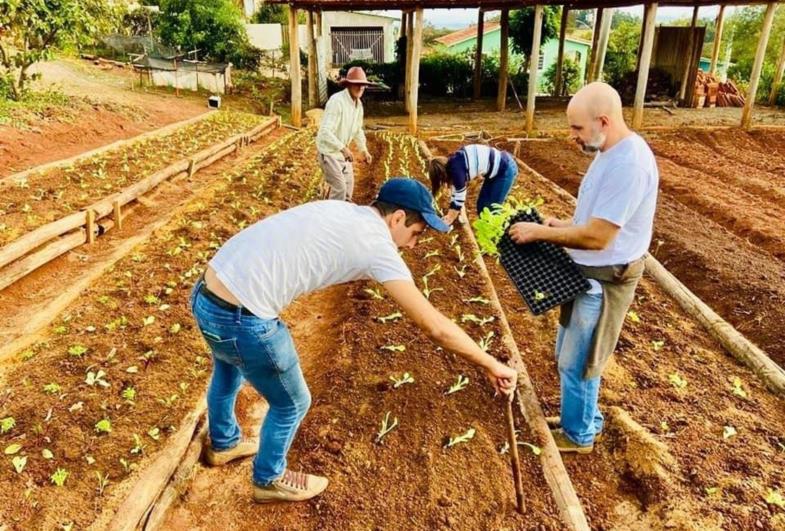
(30, 31)
(571, 77)
(215, 27)
(622, 52)
(522, 29)
(276, 14)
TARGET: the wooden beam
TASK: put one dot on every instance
(595, 37)
(504, 54)
(757, 66)
(647, 38)
(560, 56)
(602, 43)
(404, 24)
(312, 85)
(415, 71)
(294, 69)
(715, 51)
(533, 64)
(318, 23)
(778, 73)
(409, 47)
(478, 55)
(690, 53)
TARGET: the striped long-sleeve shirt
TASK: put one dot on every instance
(471, 161)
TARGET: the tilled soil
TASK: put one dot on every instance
(702, 456)
(409, 480)
(739, 276)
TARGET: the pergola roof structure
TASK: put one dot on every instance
(412, 26)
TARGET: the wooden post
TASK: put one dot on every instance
(647, 38)
(602, 43)
(478, 56)
(118, 215)
(595, 37)
(757, 66)
(560, 57)
(294, 69)
(409, 49)
(415, 71)
(533, 64)
(715, 51)
(504, 53)
(312, 87)
(690, 53)
(90, 225)
(778, 73)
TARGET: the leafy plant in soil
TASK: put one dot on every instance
(7, 424)
(485, 342)
(677, 381)
(462, 271)
(471, 318)
(459, 439)
(19, 462)
(386, 427)
(375, 293)
(389, 318)
(398, 382)
(394, 348)
(459, 385)
(478, 300)
(773, 497)
(59, 476)
(536, 450)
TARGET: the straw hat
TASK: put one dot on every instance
(356, 76)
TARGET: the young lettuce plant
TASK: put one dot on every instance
(458, 439)
(459, 385)
(386, 427)
(398, 382)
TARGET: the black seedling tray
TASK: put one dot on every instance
(544, 273)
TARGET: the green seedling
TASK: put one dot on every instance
(52, 388)
(435, 269)
(394, 348)
(386, 427)
(59, 476)
(478, 300)
(103, 481)
(454, 239)
(738, 388)
(150, 319)
(728, 432)
(773, 497)
(19, 462)
(459, 253)
(677, 381)
(389, 318)
(175, 328)
(471, 318)
(657, 345)
(540, 296)
(375, 293)
(406, 378)
(431, 254)
(168, 401)
(7, 424)
(459, 385)
(633, 316)
(47, 454)
(485, 342)
(427, 291)
(154, 433)
(103, 426)
(139, 446)
(536, 450)
(152, 300)
(129, 394)
(462, 271)
(12, 449)
(77, 350)
(710, 491)
(96, 378)
(463, 438)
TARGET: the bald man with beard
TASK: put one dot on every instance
(607, 237)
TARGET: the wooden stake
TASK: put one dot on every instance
(504, 53)
(565, 12)
(90, 225)
(118, 216)
(602, 43)
(595, 38)
(407, 85)
(294, 69)
(715, 51)
(533, 64)
(647, 40)
(757, 66)
(312, 87)
(515, 458)
(690, 53)
(478, 56)
(415, 71)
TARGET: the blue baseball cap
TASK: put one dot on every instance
(412, 194)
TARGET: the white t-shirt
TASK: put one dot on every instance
(312, 246)
(621, 187)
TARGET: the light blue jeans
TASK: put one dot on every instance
(262, 352)
(581, 418)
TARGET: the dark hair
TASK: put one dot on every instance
(437, 171)
(384, 208)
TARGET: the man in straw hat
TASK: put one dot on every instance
(341, 123)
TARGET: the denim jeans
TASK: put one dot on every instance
(581, 418)
(262, 352)
(495, 191)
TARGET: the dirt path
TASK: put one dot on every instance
(742, 281)
(108, 110)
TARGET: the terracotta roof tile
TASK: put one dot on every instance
(467, 33)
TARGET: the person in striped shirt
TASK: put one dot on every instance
(497, 170)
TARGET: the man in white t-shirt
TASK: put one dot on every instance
(607, 237)
(260, 270)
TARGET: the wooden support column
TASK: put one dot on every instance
(602, 43)
(409, 47)
(312, 84)
(533, 63)
(504, 54)
(778, 73)
(595, 37)
(690, 53)
(647, 38)
(715, 51)
(478, 56)
(757, 66)
(294, 69)
(560, 56)
(402, 29)
(415, 70)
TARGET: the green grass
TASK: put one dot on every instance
(38, 105)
